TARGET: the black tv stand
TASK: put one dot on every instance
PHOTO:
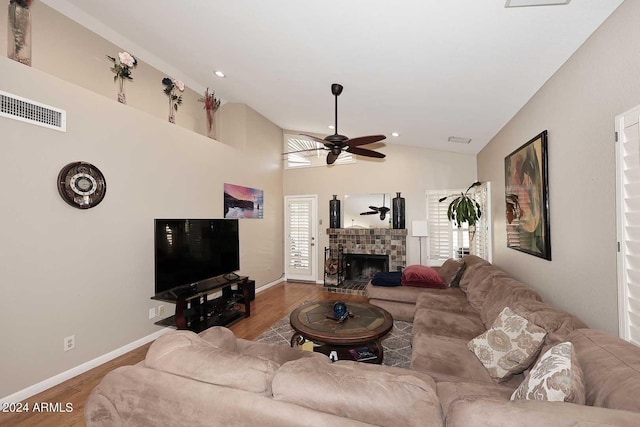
(196, 313)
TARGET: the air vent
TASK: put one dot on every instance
(25, 110)
(459, 140)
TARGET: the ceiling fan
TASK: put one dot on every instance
(336, 143)
(383, 210)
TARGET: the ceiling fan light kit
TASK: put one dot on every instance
(335, 143)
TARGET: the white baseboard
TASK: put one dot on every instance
(80, 369)
(270, 284)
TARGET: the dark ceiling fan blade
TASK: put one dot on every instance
(364, 152)
(369, 213)
(331, 158)
(363, 140)
(373, 208)
(315, 138)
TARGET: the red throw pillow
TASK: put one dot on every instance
(422, 276)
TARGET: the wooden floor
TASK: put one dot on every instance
(268, 307)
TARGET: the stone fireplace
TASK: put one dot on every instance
(368, 245)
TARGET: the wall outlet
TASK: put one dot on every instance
(161, 310)
(152, 313)
(69, 343)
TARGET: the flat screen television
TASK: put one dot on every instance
(188, 251)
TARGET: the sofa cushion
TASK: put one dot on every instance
(557, 376)
(448, 359)
(456, 325)
(374, 394)
(472, 263)
(484, 278)
(403, 294)
(450, 391)
(221, 337)
(611, 369)
(451, 272)
(452, 301)
(280, 354)
(399, 310)
(534, 413)
(504, 292)
(509, 347)
(553, 320)
(186, 354)
(422, 276)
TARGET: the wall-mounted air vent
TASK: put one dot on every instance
(25, 110)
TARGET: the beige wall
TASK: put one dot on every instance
(409, 170)
(65, 49)
(577, 106)
(64, 271)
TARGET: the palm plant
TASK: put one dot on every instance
(464, 209)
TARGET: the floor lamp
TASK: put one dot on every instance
(419, 230)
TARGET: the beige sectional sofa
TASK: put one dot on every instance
(215, 379)
(445, 320)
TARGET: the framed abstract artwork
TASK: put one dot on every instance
(527, 198)
(243, 202)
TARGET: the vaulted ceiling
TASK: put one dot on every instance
(426, 69)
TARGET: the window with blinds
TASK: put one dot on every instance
(443, 238)
(304, 153)
(628, 224)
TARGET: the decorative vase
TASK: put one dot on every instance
(19, 41)
(398, 212)
(121, 96)
(172, 117)
(334, 212)
(211, 124)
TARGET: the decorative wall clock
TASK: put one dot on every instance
(81, 185)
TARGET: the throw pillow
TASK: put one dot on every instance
(422, 276)
(509, 346)
(455, 280)
(448, 270)
(387, 278)
(556, 377)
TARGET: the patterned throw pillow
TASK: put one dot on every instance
(556, 377)
(509, 347)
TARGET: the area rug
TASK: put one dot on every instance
(397, 344)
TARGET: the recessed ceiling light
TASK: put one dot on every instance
(219, 74)
(527, 3)
(459, 140)
(332, 127)
(395, 134)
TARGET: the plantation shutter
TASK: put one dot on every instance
(300, 235)
(440, 238)
(482, 239)
(443, 234)
(628, 224)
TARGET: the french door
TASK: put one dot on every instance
(628, 223)
(301, 230)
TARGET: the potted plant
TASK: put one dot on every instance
(464, 209)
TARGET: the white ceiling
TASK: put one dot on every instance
(428, 69)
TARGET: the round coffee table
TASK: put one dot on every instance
(369, 324)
